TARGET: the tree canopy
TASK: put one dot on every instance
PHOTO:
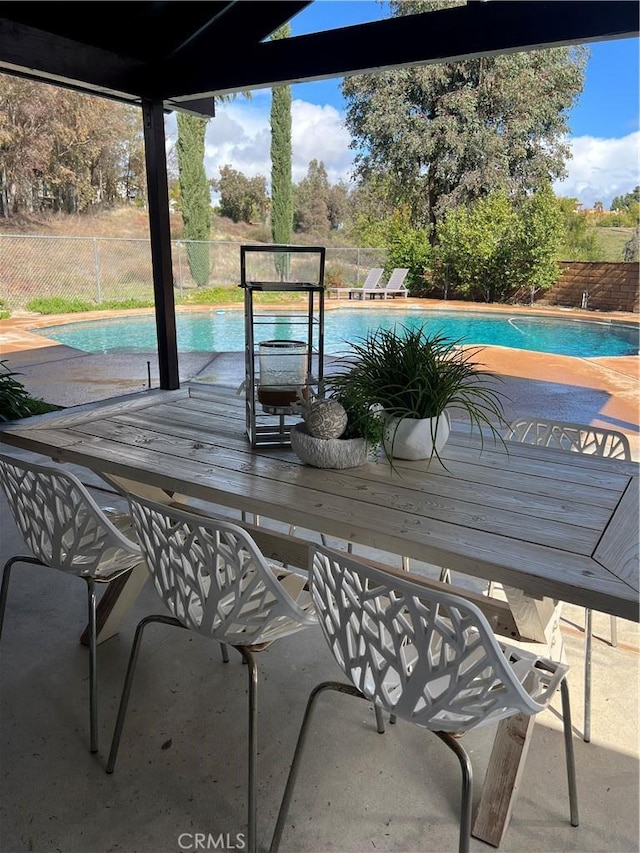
(446, 134)
(63, 151)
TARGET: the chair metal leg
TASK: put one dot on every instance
(568, 745)
(93, 666)
(588, 640)
(445, 575)
(379, 719)
(128, 681)
(252, 749)
(614, 631)
(6, 577)
(225, 652)
(297, 755)
(467, 789)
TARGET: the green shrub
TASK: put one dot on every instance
(409, 248)
(493, 249)
(212, 295)
(5, 313)
(14, 399)
(61, 305)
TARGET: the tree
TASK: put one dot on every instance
(63, 151)
(281, 183)
(493, 249)
(311, 201)
(624, 202)
(630, 250)
(242, 199)
(580, 241)
(194, 194)
(451, 133)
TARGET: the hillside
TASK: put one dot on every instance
(133, 223)
(122, 222)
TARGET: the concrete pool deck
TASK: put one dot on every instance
(599, 391)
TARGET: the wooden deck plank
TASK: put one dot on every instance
(485, 514)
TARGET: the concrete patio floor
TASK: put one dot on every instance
(182, 765)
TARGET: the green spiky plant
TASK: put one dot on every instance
(411, 374)
(14, 399)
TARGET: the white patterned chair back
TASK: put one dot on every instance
(215, 580)
(565, 435)
(428, 657)
(61, 523)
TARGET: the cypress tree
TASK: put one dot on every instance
(281, 184)
(194, 194)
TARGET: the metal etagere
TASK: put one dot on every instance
(284, 349)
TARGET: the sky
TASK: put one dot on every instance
(604, 125)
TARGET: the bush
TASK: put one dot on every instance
(409, 248)
(493, 249)
(5, 313)
(14, 399)
(60, 305)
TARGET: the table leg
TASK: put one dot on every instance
(502, 780)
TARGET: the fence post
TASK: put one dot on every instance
(96, 263)
(178, 245)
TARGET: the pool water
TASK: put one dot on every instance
(223, 331)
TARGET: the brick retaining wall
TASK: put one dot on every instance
(610, 286)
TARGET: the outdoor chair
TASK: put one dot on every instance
(396, 286)
(424, 656)
(216, 582)
(578, 438)
(371, 286)
(65, 529)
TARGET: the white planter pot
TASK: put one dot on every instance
(416, 438)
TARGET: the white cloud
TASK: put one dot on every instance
(601, 169)
(240, 137)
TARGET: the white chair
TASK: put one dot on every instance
(578, 438)
(396, 286)
(216, 582)
(65, 529)
(426, 657)
(371, 286)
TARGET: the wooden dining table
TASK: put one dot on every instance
(551, 523)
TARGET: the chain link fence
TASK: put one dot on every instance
(103, 269)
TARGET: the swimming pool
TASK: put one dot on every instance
(223, 331)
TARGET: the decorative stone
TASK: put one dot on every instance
(328, 452)
(325, 419)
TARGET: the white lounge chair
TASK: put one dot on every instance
(371, 286)
(396, 286)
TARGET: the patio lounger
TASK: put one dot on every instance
(396, 286)
(371, 286)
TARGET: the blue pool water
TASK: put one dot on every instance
(223, 331)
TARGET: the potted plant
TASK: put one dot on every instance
(412, 381)
(338, 430)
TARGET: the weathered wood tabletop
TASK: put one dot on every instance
(546, 521)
